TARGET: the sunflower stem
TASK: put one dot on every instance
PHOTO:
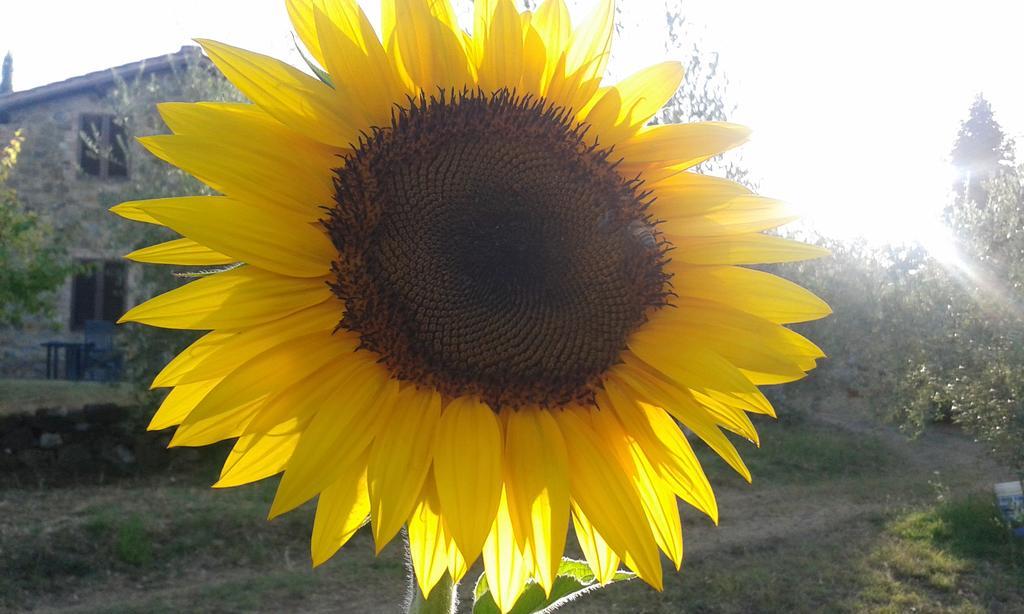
(443, 598)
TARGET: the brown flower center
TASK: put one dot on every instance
(486, 248)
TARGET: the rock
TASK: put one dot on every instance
(117, 454)
(49, 441)
(124, 454)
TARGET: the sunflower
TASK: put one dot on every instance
(474, 293)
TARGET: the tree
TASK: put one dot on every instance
(926, 340)
(32, 262)
(938, 340)
(7, 75)
(975, 373)
(878, 313)
(981, 152)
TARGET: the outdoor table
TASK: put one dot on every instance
(75, 355)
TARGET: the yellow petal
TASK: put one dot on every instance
(333, 445)
(483, 13)
(585, 60)
(319, 389)
(657, 500)
(741, 215)
(301, 14)
(567, 90)
(365, 80)
(295, 99)
(687, 194)
(534, 59)
(467, 471)
(633, 101)
(244, 152)
(604, 492)
(602, 112)
(242, 297)
(590, 45)
(697, 368)
(131, 211)
(276, 241)
(428, 544)
(179, 402)
(750, 343)
(684, 408)
(428, 46)
(744, 249)
(730, 416)
(645, 92)
(223, 352)
(388, 23)
(660, 507)
(536, 470)
(457, 566)
(679, 146)
(180, 251)
(554, 27)
(662, 442)
(260, 455)
(499, 35)
(251, 385)
(202, 430)
(400, 461)
(341, 509)
(504, 565)
(236, 120)
(187, 359)
(600, 557)
(248, 170)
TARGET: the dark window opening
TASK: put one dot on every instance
(103, 147)
(97, 292)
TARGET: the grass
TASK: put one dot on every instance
(834, 522)
(27, 395)
(804, 453)
(147, 535)
(944, 557)
(955, 555)
(241, 595)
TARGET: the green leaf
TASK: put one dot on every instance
(574, 579)
(319, 72)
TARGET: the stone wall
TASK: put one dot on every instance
(94, 439)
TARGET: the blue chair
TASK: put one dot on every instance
(103, 361)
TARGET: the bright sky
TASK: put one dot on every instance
(855, 105)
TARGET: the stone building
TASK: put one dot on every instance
(73, 166)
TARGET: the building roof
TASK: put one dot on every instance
(99, 80)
